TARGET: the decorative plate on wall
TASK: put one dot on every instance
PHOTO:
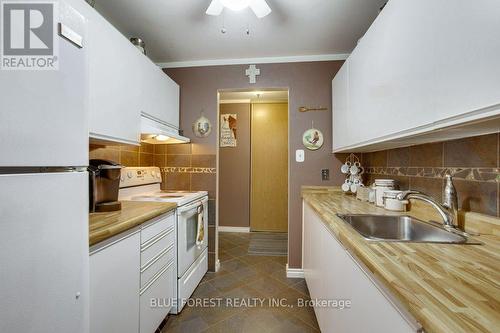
(202, 127)
(312, 139)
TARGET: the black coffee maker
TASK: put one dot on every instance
(104, 184)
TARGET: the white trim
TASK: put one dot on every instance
(217, 265)
(294, 273)
(110, 139)
(248, 61)
(233, 229)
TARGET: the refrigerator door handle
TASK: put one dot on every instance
(34, 169)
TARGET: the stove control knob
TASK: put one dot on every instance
(158, 175)
(152, 174)
(122, 178)
(129, 174)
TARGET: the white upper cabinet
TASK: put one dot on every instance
(115, 84)
(124, 84)
(467, 61)
(161, 95)
(421, 66)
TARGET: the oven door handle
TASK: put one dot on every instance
(195, 205)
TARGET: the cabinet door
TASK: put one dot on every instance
(157, 297)
(114, 287)
(345, 280)
(466, 55)
(422, 66)
(336, 276)
(314, 271)
(341, 122)
(171, 91)
(390, 77)
(115, 84)
(161, 95)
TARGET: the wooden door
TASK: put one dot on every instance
(269, 167)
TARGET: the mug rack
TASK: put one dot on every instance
(353, 170)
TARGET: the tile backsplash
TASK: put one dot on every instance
(181, 170)
(126, 155)
(474, 163)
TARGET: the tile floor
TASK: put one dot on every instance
(243, 276)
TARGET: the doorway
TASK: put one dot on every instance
(253, 168)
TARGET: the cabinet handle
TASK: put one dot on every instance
(156, 277)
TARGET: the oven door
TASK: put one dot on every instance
(187, 225)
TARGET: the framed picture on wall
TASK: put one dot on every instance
(228, 130)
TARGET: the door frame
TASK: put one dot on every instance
(217, 132)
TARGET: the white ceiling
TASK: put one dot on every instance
(179, 30)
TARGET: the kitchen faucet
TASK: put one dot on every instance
(448, 209)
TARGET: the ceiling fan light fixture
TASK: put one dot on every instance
(235, 5)
(259, 7)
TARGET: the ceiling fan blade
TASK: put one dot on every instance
(215, 8)
(260, 8)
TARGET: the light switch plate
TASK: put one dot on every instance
(299, 155)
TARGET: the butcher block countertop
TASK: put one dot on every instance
(133, 213)
(446, 287)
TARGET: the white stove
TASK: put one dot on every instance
(144, 184)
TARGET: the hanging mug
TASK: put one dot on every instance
(355, 169)
(347, 185)
(345, 167)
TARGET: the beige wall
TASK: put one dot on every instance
(234, 171)
(309, 84)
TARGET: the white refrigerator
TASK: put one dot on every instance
(44, 190)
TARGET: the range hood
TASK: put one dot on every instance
(154, 131)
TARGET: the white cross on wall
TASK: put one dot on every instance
(252, 73)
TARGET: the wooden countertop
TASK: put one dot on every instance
(133, 213)
(446, 287)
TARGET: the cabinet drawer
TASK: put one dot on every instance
(160, 291)
(157, 244)
(153, 266)
(154, 228)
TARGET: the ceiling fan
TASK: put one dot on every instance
(259, 7)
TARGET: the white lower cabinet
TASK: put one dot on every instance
(133, 278)
(156, 300)
(332, 274)
(158, 271)
(114, 286)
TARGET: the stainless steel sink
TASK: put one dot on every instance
(402, 229)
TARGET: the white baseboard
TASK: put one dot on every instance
(217, 265)
(233, 229)
(294, 273)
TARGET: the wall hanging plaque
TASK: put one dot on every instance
(202, 126)
(312, 139)
(228, 130)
